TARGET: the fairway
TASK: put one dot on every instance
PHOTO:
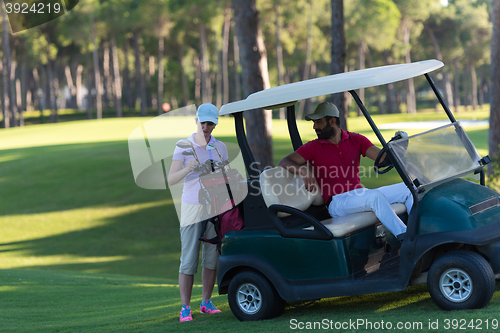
(84, 249)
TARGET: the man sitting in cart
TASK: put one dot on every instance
(332, 163)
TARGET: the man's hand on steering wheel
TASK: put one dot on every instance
(386, 162)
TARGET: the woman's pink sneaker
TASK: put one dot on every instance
(185, 314)
(208, 307)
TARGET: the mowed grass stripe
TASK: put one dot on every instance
(46, 301)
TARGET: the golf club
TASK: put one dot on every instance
(211, 147)
(186, 144)
(191, 153)
(187, 153)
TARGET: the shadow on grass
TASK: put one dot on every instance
(94, 175)
(141, 243)
(41, 301)
(55, 178)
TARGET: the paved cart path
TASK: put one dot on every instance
(431, 124)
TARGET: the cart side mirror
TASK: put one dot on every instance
(485, 160)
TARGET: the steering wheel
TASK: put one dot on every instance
(387, 162)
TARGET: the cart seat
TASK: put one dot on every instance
(281, 187)
(344, 225)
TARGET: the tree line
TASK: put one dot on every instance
(125, 57)
(132, 54)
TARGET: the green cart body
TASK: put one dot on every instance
(286, 254)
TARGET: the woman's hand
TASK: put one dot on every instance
(191, 165)
(177, 172)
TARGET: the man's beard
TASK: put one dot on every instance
(326, 133)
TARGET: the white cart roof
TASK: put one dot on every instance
(291, 93)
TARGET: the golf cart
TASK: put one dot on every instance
(292, 250)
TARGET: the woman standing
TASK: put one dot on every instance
(192, 213)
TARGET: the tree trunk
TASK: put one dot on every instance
(446, 87)
(465, 88)
(206, 88)
(19, 102)
(185, 89)
(391, 94)
(116, 76)
(448, 91)
(361, 65)
(97, 74)
(29, 95)
(161, 74)
(28, 87)
(13, 94)
(89, 88)
(59, 103)
(481, 89)
(494, 133)
(173, 99)
(150, 101)
(52, 92)
(74, 69)
(307, 64)
(139, 81)
(310, 101)
(237, 78)
(255, 76)
(279, 54)
(130, 100)
(338, 53)
(37, 105)
(456, 85)
(5, 95)
(79, 96)
(377, 88)
(46, 94)
(69, 82)
(225, 52)
(197, 81)
(8, 102)
(107, 75)
(411, 106)
(218, 74)
(473, 83)
(23, 91)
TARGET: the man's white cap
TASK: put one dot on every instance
(322, 110)
(208, 112)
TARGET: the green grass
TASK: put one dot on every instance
(83, 249)
(46, 301)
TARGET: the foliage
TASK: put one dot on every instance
(474, 29)
(493, 181)
(374, 22)
(462, 30)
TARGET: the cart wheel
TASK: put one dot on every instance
(253, 297)
(461, 280)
